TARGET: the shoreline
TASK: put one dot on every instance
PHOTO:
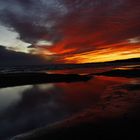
(30, 78)
(114, 116)
(18, 79)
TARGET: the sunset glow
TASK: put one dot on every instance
(81, 31)
(109, 54)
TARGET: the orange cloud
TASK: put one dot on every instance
(109, 54)
(104, 33)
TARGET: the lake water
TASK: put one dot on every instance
(24, 108)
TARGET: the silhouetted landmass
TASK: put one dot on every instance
(134, 61)
(11, 58)
(16, 79)
(132, 73)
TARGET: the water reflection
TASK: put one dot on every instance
(28, 107)
(9, 96)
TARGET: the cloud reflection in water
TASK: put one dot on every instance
(30, 107)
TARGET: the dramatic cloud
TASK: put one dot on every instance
(32, 19)
(76, 31)
(102, 32)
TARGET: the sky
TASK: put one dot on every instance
(69, 31)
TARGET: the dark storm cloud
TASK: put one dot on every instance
(32, 19)
(8, 57)
(38, 19)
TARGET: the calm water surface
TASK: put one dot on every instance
(25, 108)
